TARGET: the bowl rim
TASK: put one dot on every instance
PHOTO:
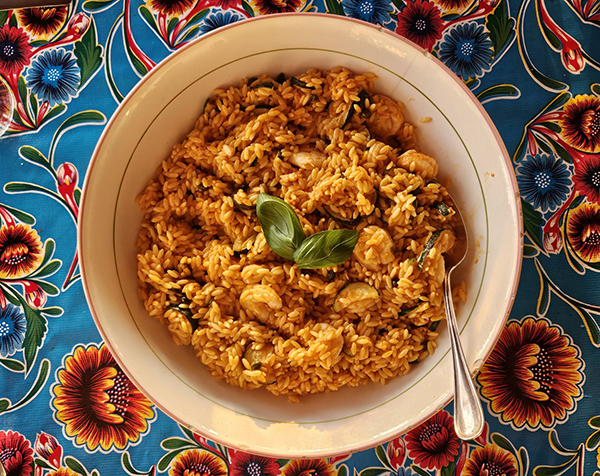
(220, 31)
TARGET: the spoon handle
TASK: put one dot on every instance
(468, 413)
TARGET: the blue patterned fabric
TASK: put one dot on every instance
(67, 408)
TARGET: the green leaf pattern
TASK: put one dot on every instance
(114, 42)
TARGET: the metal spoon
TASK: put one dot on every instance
(468, 413)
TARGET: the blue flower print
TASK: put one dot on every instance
(217, 20)
(54, 76)
(12, 330)
(373, 11)
(544, 181)
(467, 50)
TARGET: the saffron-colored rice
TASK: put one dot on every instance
(207, 272)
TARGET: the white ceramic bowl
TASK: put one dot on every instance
(162, 109)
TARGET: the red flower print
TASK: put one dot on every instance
(201, 440)
(460, 462)
(572, 57)
(551, 232)
(197, 463)
(420, 22)
(244, 464)
(15, 50)
(42, 22)
(338, 459)
(97, 402)
(587, 177)
(48, 448)
(433, 444)
(67, 178)
(227, 4)
(308, 467)
(396, 452)
(583, 230)
(552, 240)
(533, 376)
(77, 26)
(580, 123)
(16, 454)
(35, 296)
(20, 251)
(483, 438)
(490, 460)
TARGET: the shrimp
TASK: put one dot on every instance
(329, 123)
(437, 265)
(328, 339)
(445, 242)
(307, 160)
(180, 327)
(260, 300)
(261, 356)
(421, 164)
(386, 119)
(374, 248)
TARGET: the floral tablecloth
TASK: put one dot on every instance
(66, 407)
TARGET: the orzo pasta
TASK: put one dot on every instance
(341, 156)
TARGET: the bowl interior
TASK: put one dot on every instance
(163, 108)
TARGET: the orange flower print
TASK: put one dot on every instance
(490, 460)
(306, 467)
(197, 463)
(42, 22)
(170, 7)
(62, 472)
(583, 231)
(97, 403)
(453, 5)
(580, 123)
(20, 251)
(267, 7)
(534, 375)
(587, 177)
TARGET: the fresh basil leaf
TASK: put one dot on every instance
(326, 248)
(280, 225)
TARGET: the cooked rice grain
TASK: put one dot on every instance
(254, 319)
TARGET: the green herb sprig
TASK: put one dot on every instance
(280, 225)
(285, 236)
